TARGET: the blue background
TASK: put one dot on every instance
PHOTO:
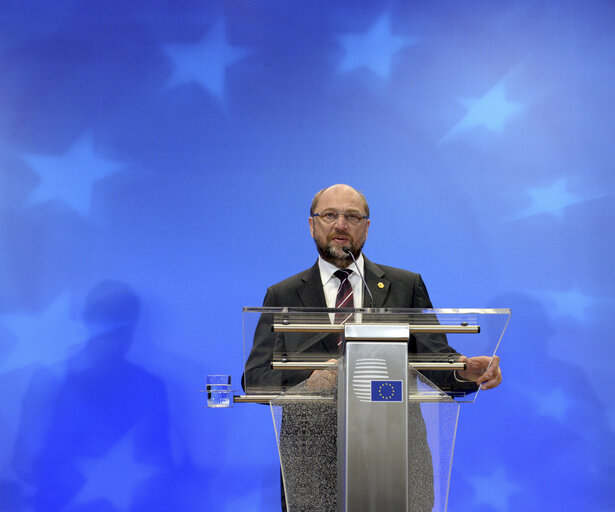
(157, 161)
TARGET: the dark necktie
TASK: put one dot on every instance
(344, 299)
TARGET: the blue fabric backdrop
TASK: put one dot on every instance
(157, 161)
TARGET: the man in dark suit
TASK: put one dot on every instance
(339, 223)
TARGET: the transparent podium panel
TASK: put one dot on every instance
(277, 341)
(365, 402)
(308, 436)
(440, 415)
(305, 423)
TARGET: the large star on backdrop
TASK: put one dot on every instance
(552, 402)
(491, 111)
(570, 303)
(374, 49)
(206, 61)
(553, 199)
(105, 481)
(69, 177)
(44, 338)
(565, 303)
(494, 490)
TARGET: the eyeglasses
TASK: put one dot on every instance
(330, 216)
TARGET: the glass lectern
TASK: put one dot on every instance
(365, 412)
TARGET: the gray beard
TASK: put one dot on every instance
(329, 254)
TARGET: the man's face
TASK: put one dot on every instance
(332, 239)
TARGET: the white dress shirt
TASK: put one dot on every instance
(331, 284)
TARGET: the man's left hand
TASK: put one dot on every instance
(483, 370)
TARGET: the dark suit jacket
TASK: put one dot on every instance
(390, 287)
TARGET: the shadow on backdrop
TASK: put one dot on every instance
(97, 413)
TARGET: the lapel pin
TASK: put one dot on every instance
(380, 285)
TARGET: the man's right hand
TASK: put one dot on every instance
(323, 380)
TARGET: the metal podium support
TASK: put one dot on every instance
(372, 390)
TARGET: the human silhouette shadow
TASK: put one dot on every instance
(101, 403)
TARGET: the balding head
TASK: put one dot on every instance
(336, 189)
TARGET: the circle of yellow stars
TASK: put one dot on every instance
(383, 387)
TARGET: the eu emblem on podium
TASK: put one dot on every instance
(386, 391)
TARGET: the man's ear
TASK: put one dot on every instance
(311, 223)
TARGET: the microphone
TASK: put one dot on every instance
(348, 251)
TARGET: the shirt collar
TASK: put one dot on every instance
(327, 269)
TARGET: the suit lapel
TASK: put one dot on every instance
(377, 283)
(312, 296)
(310, 291)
